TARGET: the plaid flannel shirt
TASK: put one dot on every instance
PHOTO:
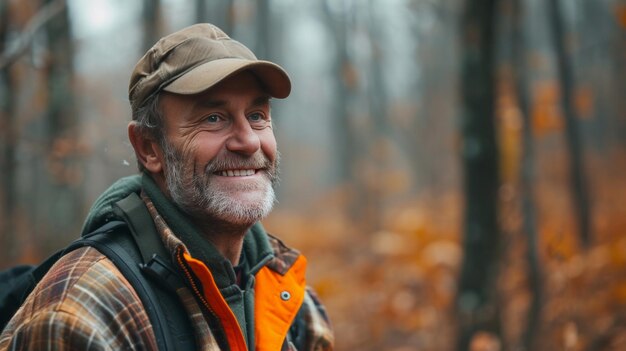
(85, 303)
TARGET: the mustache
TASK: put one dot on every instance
(235, 161)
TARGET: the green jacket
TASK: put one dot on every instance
(268, 307)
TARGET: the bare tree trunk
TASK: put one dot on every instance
(381, 133)
(423, 133)
(526, 179)
(344, 137)
(8, 140)
(200, 11)
(61, 116)
(50, 10)
(151, 32)
(566, 82)
(617, 126)
(476, 301)
(594, 33)
(620, 53)
(221, 14)
(263, 42)
(59, 194)
(9, 55)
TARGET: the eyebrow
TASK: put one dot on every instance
(261, 100)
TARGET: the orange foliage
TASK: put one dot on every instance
(62, 160)
(584, 102)
(484, 341)
(620, 14)
(350, 75)
(545, 112)
(584, 295)
(510, 124)
(394, 288)
(24, 12)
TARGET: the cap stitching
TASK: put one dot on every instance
(217, 35)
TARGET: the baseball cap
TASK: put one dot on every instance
(196, 58)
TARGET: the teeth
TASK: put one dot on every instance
(237, 173)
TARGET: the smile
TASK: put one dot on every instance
(236, 172)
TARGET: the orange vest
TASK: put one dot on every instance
(277, 301)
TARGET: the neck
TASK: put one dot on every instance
(226, 237)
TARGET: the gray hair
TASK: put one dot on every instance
(149, 121)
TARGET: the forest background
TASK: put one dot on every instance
(453, 169)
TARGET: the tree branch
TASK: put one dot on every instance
(25, 39)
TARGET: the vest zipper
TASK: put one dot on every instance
(194, 287)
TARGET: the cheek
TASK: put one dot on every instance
(204, 149)
(268, 145)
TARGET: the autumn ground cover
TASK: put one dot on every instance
(394, 289)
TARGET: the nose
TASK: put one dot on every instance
(243, 139)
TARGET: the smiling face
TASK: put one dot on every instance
(219, 154)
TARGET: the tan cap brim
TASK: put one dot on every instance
(272, 76)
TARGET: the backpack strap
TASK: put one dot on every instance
(154, 261)
(135, 248)
(118, 247)
(139, 220)
(138, 252)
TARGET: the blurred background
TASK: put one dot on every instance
(453, 169)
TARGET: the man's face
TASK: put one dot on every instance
(220, 152)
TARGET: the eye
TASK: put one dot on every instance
(256, 117)
(212, 118)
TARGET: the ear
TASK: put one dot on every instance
(147, 150)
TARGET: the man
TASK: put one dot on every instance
(202, 134)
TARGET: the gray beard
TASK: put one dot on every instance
(197, 196)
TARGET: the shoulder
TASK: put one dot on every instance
(311, 329)
(284, 256)
(83, 276)
(83, 291)
(54, 330)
